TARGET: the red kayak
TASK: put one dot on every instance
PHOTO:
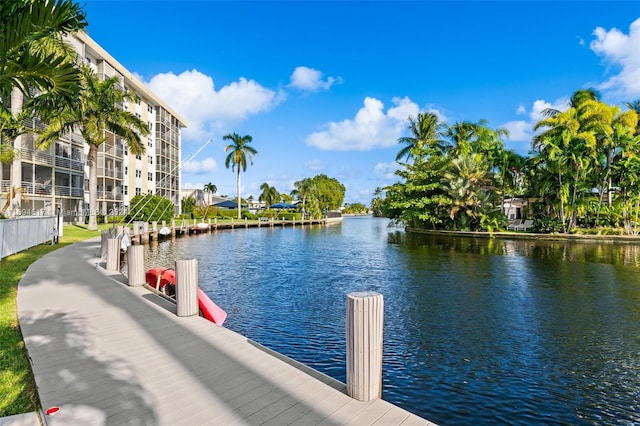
(164, 280)
(160, 277)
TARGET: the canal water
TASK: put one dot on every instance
(477, 331)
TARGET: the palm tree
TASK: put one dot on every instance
(467, 183)
(269, 194)
(32, 52)
(97, 111)
(210, 189)
(240, 151)
(304, 190)
(424, 134)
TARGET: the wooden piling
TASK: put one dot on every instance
(364, 345)
(135, 265)
(113, 254)
(186, 287)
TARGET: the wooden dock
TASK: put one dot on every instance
(106, 353)
(143, 232)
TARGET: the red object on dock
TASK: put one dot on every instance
(159, 277)
(210, 310)
(51, 411)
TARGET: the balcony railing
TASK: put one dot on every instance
(36, 156)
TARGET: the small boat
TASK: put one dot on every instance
(164, 231)
(202, 226)
(164, 280)
(158, 278)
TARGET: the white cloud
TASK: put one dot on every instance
(200, 167)
(193, 95)
(621, 52)
(309, 79)
(386, 170)
(519, 130)
(370, 128)
(315, 165)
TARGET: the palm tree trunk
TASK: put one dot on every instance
(239, 198)
(92, 158)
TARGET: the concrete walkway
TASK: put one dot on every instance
(109, 354)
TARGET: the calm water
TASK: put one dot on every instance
(477, 331)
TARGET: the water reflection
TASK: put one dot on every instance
(477, 331)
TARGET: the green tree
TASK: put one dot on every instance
(269, 194)
(468, 184)
(32, 52)
(419, 200)
(329, 192)
(210, 189)
(151, 208)
(425, 132)
(304, 190)
(188, 204)
(237, 158)
(376, 202)
(97, 111)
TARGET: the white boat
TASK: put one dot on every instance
(165, 230)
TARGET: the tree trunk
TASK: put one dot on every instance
(15, 168)
(92, 158)
(239, 198)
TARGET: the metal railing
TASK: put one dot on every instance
(23, 232)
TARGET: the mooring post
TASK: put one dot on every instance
(104, 237)
(186, 287)
(113, 254)
(364, 345)
(135, 265)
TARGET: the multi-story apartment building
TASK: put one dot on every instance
(58, 177)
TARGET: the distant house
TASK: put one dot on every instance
(514, 208)
(196, 194)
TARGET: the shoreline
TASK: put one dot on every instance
(506, 235)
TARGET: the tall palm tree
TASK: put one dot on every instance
(304, 190)
(97, 111)
(32, 53)
(210, 189)
(269, 194)
(425, 133)
(237, 158)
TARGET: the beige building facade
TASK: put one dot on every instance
(57, 179)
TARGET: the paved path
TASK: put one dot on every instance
(109, 354)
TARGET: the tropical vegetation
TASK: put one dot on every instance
(240, 151)
(583, 171)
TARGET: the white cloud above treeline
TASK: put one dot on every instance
(193, 95)
(372, 127)
(311, 80)
(622, 53)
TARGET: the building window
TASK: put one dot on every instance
(149, 176)
(150, 159)
(138, 157)
(151, 192)
(150, 109)
(126, 170)
(138, 173)
(150, 142)
(125, 190)
(138, 191)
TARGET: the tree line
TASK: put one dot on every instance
(582, 172)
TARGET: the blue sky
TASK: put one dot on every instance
(327, 86)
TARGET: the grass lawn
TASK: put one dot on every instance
(17, 387)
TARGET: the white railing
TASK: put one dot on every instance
(23, 232)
